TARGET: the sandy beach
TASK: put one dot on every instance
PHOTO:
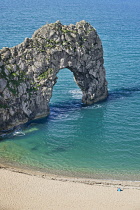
(25, 191)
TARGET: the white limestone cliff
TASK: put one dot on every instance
(29, 70)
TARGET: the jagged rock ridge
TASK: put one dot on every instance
(28, 71)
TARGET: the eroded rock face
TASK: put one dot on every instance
(28, 71)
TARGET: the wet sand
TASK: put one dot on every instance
(28, 190)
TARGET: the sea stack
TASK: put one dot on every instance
(29, 70)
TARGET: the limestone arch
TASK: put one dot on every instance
(29, 70)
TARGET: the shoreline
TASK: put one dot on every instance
(89, 181)
(24, 189)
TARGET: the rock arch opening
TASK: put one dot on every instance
(65, 91)
(29, 70)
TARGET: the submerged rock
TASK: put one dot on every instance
(28, 71)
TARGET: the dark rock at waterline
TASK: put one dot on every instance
(28, 71)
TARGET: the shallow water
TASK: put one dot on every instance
(98, 141)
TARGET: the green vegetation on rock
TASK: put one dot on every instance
(3, 106)
(46, 74)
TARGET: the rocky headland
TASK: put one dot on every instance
(29, 70)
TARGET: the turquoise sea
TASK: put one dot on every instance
(98, 141)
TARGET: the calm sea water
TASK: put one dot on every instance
(98, 141)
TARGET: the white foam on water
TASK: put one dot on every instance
(18, 133)
(94, 106)
(77, 94)
(97, 106)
